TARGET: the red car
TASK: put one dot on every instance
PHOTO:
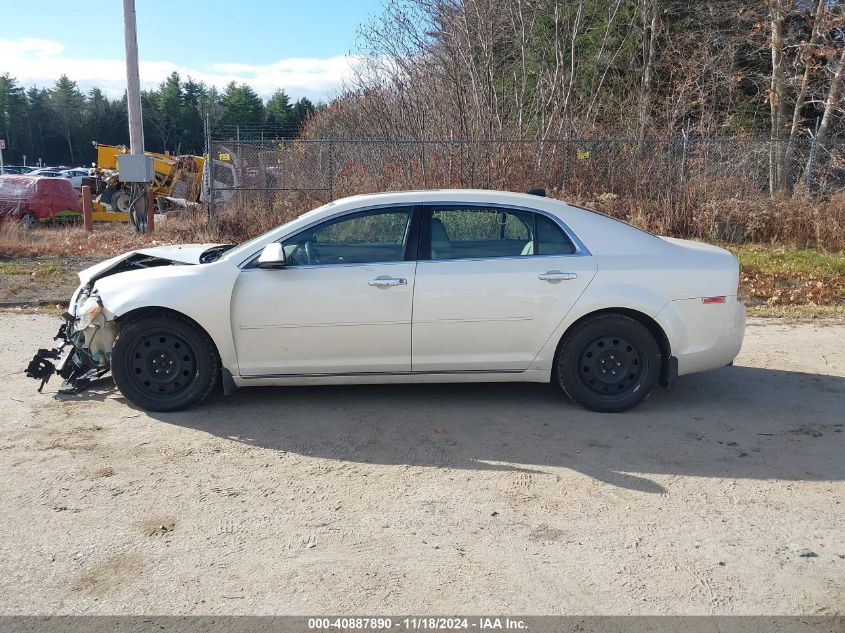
(31, 200)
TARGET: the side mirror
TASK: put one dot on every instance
(272, 256)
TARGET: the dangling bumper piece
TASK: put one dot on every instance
(76, 366)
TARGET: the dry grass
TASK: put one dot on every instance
(246, 216)
(723, 211)
(243, 218)
(796, 220)
(792, 255)
(73, 241)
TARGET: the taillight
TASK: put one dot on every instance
(721, 299)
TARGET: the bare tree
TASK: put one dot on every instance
(776, 92)
(834, 100)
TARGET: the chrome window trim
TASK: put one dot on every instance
(350, 265)
(419, 261)
(581, 249)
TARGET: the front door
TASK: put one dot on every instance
(341, 305)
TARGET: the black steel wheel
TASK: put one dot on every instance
(608, 363)
(163, 362)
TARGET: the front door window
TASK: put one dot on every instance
(379, 236)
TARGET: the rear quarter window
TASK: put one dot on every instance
(551, 240)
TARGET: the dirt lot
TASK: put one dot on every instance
(724, 496)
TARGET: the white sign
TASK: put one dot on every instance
(2, 144)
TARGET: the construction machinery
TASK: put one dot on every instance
(176, 178)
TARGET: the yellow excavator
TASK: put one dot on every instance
(176, 178)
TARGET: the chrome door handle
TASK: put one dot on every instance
(553, 276)
(384, 282)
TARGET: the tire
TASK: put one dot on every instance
(106, 196)
(121, 200)
(29, 222)
(163, 362)
(609, 363)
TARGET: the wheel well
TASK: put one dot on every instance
(646, 321)
(149, 310)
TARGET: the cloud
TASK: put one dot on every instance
(40, 62)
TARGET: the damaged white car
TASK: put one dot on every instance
(428, 286)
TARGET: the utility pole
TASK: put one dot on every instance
(135, 169)
(133, 80)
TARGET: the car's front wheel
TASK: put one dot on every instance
(608, 363)
(163, 362)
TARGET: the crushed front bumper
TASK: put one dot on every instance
(75, 365)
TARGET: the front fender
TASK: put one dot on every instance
(201, 292)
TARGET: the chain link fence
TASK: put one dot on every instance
(664, 170)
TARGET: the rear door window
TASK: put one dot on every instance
(480, 232)
(483, 232)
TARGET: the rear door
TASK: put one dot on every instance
(492, 284)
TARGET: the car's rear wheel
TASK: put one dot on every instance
(163, 362)
(608, 363)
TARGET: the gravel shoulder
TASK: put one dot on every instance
(722, 496)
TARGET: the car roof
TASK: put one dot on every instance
(445, 195)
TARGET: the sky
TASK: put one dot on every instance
(305, 47)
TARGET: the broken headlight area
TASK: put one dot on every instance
(90, 335)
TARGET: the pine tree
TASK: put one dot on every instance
(241, 106)
(279, 114)
(66, 103)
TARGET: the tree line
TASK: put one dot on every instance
(541, 69)
(518, 69)
(57, 124)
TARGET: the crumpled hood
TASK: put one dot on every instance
(181, 254)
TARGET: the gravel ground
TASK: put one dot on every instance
(723, 496)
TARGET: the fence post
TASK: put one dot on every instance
(451, 151)
(151, 212)
(209, 165)
(422, 162)
(87, 208)
(809, 177)
(238, 153)
(331, 168)
(564, 177)
(812, 157)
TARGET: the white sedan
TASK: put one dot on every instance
(423, 286)
(75, 176)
